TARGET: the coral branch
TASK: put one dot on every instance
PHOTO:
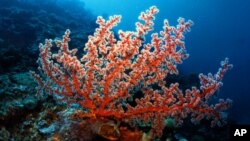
(104, 78)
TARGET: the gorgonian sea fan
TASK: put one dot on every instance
(105, 76)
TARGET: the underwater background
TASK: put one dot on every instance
(220, 30)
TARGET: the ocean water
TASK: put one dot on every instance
(220, 30)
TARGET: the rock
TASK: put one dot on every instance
(30, 103)
(23, 79)
(4, 134)
(169, 123)
(48, 130)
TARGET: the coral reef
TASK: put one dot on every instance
(105, 77)
(24, 23)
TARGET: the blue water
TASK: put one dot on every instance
(221, 30)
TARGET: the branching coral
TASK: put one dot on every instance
(103, 79)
